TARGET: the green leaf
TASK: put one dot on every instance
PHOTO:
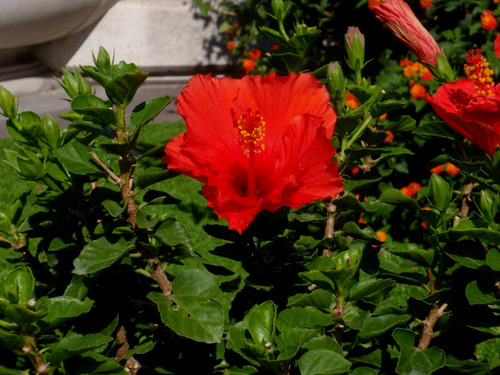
(387, 106)
(11, 341)
(363, 371)
(63, 308)
(323, 362)
(23, 316)
(317, 298)
(262, 323)
(7, 371)
(122, 88)
(412, 252)
(367, 287)
(99, 254)
(19, 285)
(193, 310)
(146, 112)
(94, 109)
(413, 360)
(288, 62)
(159, 197)
(493, 259)
(435, 129)
(70, 346)
(353, 229)
(476, 296)
(396, 197)
(113, 208)
(93, 363)
(151, 176)
(323, 343)
(76, 158)
(378, 325)
(173, 233)
(302, 317)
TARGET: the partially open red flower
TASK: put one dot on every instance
(257, 143)
(471, 105)
(398, 17)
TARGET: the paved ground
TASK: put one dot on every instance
(44, 95)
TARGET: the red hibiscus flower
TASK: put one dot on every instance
(472, 105)
(398, 17)
(497, 46)
(258, 143)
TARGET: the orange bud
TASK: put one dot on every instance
(425, 4)
(231, 45)
(355, 170)
(451, 169)
(488, 21)
(383, 117)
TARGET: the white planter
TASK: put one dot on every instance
(164, 36)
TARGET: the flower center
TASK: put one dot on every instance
(478, 70)
(252, 129)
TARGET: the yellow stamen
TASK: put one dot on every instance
(252, 129)
(478, 70)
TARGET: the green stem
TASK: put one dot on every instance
(347, 143)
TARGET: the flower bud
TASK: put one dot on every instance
(51, 131)
(355, 46)
(336, 82)
(439, 192)
(8, 103)
(279, 10)
(488, 205)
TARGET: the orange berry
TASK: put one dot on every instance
(355, 170)
(438, 169)
(255, 54)
(248, 65)
(414, 188)
(417, 91)
(383, 117)
(382, 236)
(451, 169)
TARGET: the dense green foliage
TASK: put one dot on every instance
(111, 264)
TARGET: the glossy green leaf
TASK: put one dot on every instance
(146, 112)
(413, 252)
(11, 341)
(363, 371)
(367, 287)
(113, 207)
(151, 176)
(94, 109)
(7, 371)
(302, 317)
(323, 362)
(173, 233)
(93, 363)
(100, 254)
(377, 325)
(23, 316)
(478, 296)
(493, 259)
(262, 322)
(76, 158)
(19, 285)
(317, 298)
(74, 344)
(323, 343)
(122, 88)
(435, 129)
(193, 310)
(61, 309)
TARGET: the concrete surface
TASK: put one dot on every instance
(44, 95)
